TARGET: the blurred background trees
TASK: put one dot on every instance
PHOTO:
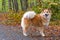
(36, 5)
(12, 10)
(26, 4)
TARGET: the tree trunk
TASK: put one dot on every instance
(24, 4)
(3, 5)
(10, 5)
(31, 3)
(15, 5)
(21, 5)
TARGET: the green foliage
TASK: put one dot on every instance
(55, 8)
(37, 9)
(15, 18)
(56, 11)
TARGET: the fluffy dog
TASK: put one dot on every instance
(39, 21)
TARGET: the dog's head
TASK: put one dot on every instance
(46, 13)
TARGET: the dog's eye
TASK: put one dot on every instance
(44, 12)
(47, 12)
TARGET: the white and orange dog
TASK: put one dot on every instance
(31, 19)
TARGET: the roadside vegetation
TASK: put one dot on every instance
(11, 11)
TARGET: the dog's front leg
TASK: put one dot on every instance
(41, 32)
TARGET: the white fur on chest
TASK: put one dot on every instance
(46, 24)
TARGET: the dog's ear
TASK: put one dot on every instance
(46, 9)
(42, 10)
(49, 9)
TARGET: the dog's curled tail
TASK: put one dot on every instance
(29, 14)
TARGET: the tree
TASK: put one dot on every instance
(10, 5)
(15, 5)
(24, 4)
(3, 5)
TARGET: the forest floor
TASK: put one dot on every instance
(9, 32)
(15, 33)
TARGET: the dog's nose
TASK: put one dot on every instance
(46, 14)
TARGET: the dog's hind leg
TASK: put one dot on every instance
(25, 32)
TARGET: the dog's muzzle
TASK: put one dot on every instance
(46, 15)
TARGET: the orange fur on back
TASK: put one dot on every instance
(36, 21)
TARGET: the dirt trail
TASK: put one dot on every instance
(15, 33)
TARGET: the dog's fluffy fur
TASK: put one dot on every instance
(30, 19)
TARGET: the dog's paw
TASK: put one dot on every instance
(43, 35)
(25, 34)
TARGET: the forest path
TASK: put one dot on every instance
(15, 33)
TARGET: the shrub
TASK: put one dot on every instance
(14, 18)
(55, 8)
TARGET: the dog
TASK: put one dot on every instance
(39, 21)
